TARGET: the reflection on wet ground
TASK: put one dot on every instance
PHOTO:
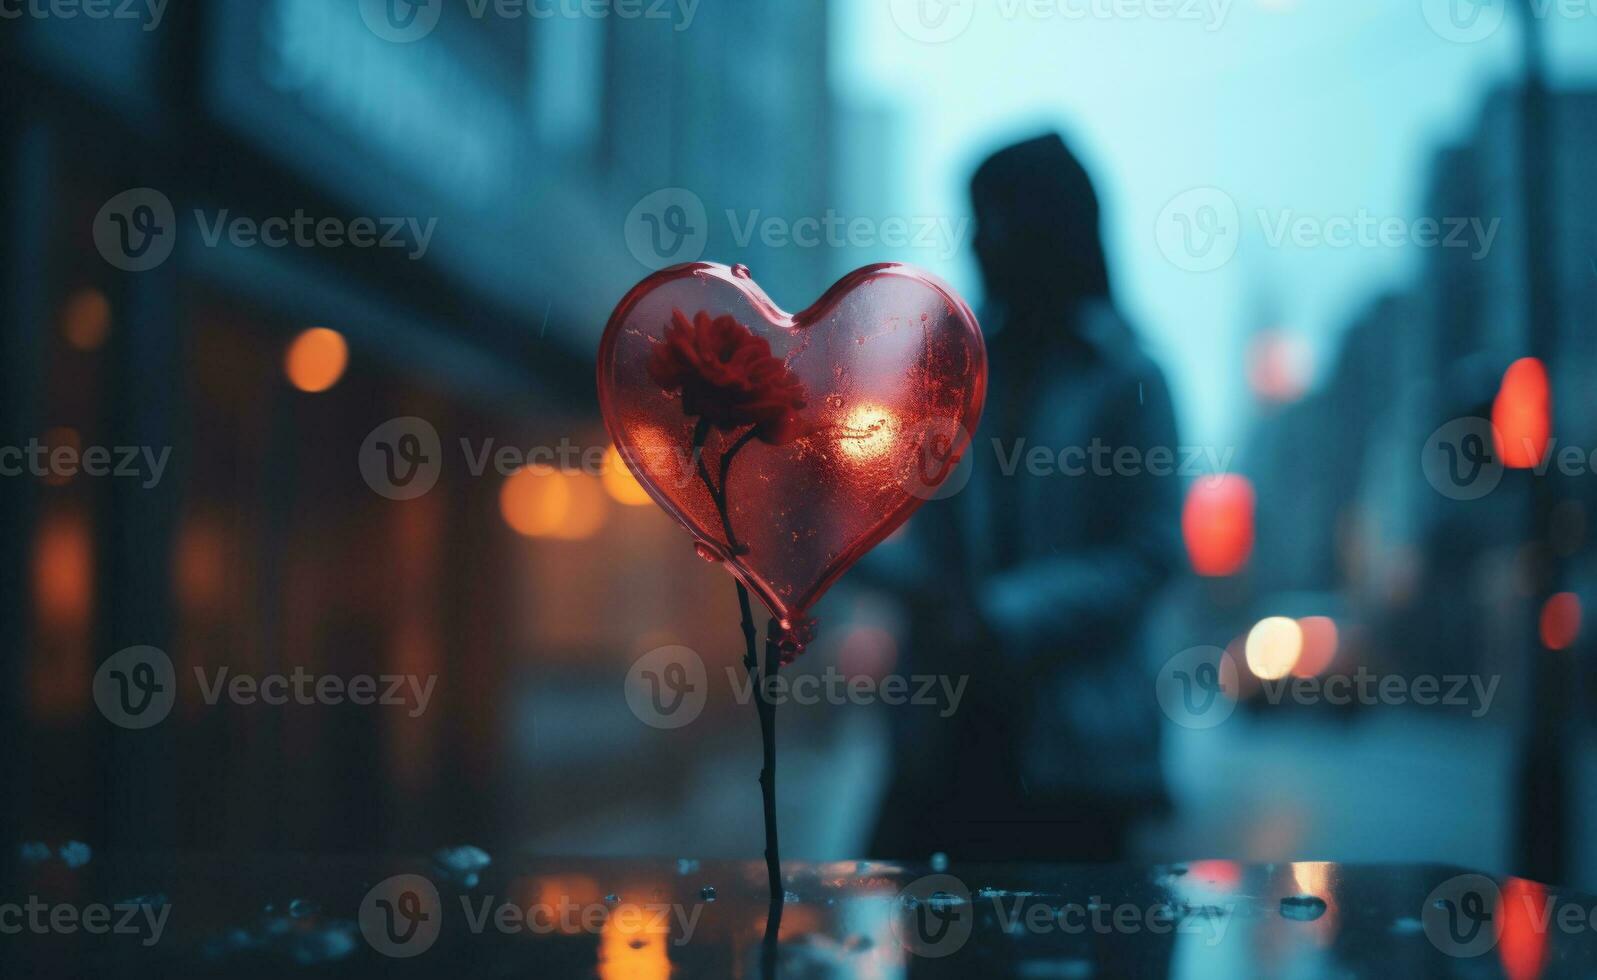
(463, 912)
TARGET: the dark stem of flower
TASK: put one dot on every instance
(701, 432)
(764, 706)
(767, 712)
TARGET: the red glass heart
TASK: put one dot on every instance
(891, 371)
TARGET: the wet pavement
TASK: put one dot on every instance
(463, 912)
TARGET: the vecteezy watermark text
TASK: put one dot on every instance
(940, 21)
(831, 686)
(304, 688)
(42, 918)
(402, 916)
(1463, 458)
(1200, 229)
(145, 463)
(679, 12)
(137, 688)
(407, 21)
(568, 916)
(935, 915)
(1099, 458)
(136, 230)
(1199, 688)
(1467, 915)
(1364, 687)
(671, 225)
(149, 11)
(668, 687)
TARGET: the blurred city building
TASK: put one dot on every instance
(263, 547)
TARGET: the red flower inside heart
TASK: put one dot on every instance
(728, 377)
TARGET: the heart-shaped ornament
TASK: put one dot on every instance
(790, 445)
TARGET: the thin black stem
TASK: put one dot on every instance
(764, 706)
(718, 494)
(773, 858)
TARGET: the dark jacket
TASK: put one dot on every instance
(1037, 578)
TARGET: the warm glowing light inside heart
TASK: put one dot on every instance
(868, 431)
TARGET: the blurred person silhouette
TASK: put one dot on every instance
(1037, 577)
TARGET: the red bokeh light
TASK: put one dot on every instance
(1522, 414)
(1217, 524)
(1560, 621)
(1522, 910)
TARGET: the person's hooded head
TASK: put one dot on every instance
(1037, 237)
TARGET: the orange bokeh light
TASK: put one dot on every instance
(61, 664)
(1217, 524)
(63, 570)
(539, 502)
(619, 482)
(1560, 621)
(1522, 414)
(534, 501)
(86, 319)
(316, 359)
(586, 511)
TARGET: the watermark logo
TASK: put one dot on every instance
(1464, 21)
(136, 230)
(1198, 688)
(41, 918)
(939, 462)
(939, 235)
(1362, 229)
(667, 227)
(1368, 689)
(667, 687)
(60, 460)
(1460, 461)
(1461, 915)
(148, 11)
(940, 21)
(942, 692)
(679, 12)
(568, 915)
(671, 226)
(402, 458)
(932, 21)
(409, 691)
(933, 916)
(1199, 229)
(1100, 459)
(401, 916)
(136, 687)
(401, 21)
